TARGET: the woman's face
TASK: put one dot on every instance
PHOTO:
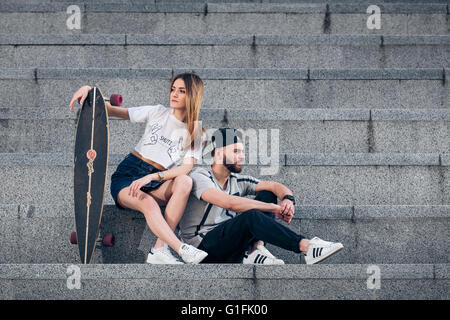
(178, 95)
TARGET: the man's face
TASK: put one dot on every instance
(234, 157)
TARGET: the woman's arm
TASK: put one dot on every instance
(118, 112)
(81, 95)
(182, 169)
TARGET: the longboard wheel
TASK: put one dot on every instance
(73, 238)
(116, 99)
(108, 240)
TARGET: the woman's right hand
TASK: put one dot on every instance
(137, 184)
(80, 95)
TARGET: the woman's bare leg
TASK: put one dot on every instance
(150, 209)
(175, 193)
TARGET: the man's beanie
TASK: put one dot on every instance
(224, 136)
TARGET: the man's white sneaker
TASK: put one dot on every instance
(266, 252)
(319, 250)
(261, 256)
(162, 256)
(191, 254)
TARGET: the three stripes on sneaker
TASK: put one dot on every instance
(259, 259)
(317, 252)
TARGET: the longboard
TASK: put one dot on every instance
(90, 173)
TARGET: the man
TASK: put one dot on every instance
(219, 219)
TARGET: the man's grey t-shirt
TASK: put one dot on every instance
(200, 217)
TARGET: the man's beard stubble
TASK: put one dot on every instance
(231, 166)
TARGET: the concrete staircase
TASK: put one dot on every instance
(222, 282)
(362, 116)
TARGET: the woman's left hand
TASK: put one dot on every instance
(139, 183)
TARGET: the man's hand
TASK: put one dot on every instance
(287, 210)
(278, 212)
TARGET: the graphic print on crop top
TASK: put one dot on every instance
(164, 136)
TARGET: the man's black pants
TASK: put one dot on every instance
(228, 242)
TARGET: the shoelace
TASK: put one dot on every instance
(323, 243)
(190, 250)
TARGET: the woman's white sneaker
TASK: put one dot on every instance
(319, 250)
(191, 254)
(162, 256)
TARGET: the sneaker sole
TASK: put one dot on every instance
(264, 264)
(327, 256)
(273, 264)
(276, 262)
(149, 261)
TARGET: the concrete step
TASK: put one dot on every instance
(223, 51)
(229, 18)
(224, 282)
(321, 179)
(239, 88)
(33, 130)
(159, 2)
(370, 234)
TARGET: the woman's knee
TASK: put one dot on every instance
(182, 184)
(143, 202)
(148, 202)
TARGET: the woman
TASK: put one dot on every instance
(156, 172)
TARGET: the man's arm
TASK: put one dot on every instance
(280, 190)
(235, 203)
(276, 188)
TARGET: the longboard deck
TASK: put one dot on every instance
(90, 171)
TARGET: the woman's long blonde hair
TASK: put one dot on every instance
(194, 97)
